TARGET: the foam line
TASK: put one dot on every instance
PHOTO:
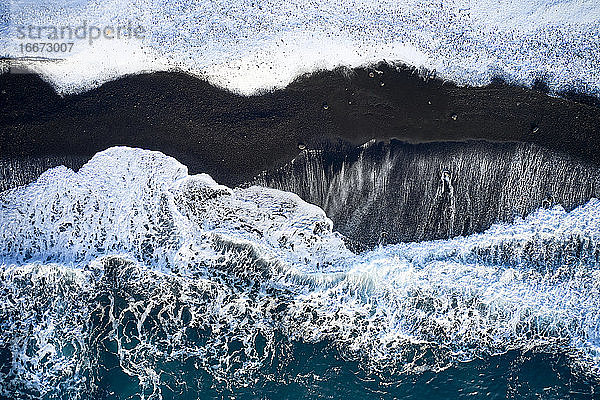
(251, 46)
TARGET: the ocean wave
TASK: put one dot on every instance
(132, 267)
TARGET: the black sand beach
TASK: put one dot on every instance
(233, 137)
(399, 192)
(506, 150)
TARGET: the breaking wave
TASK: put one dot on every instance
(130, 271)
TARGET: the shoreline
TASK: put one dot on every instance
(234, 137)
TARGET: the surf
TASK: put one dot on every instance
(132, 265)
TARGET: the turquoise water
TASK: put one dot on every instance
(301, 371)
(115, 360)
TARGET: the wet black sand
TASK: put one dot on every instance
(234, 137)
(389, 193)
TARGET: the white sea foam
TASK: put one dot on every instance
(144, 204)
(248, 46)
(133, 254)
